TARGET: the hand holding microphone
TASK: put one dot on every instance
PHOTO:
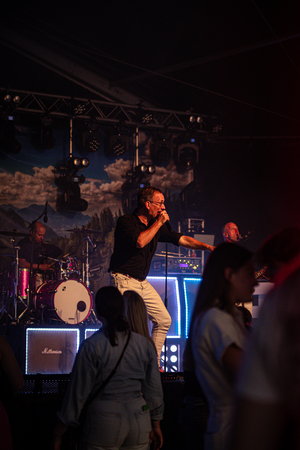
(163, 217)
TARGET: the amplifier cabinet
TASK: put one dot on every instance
(51, 350)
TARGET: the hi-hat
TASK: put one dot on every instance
(50, 250)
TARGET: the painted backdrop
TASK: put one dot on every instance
(28, 181)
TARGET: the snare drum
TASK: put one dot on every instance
(73, 271)
(68, 300)
(69, 269)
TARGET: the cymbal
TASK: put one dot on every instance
(50, 250)
(14, 233)
(44, 249)
(84, 230)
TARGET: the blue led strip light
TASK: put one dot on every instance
(188, 312)
(90, 331)
(49, 330)
(177, 320)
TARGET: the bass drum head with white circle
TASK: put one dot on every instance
(70, 300)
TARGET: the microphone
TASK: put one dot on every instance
(246, 235)
(167, 223)
(45, 216)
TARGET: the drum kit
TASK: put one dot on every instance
(61, 294)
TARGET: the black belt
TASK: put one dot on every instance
(129, 276)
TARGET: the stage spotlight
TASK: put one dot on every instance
(76, 162)
(68, 182)
(151, 169)
(72, 199)
(187, 157)
(186, 153)
(118, 142)
(143, 116)
(147, 118)
(11, 102)
(195, 119)
(92, 137)
(8, 140)
(142, 170)
(190, 199)
(161, 151)
(47, 140)
(72, 165)
(85, 162)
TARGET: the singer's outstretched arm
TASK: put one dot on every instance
(189, 242)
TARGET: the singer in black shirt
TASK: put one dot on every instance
(136, 238)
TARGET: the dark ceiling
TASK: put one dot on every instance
(236, 60)
(239, 61)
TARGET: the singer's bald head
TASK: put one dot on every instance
(231, 232)
(38, 232)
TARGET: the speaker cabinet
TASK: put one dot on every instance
(51, 350)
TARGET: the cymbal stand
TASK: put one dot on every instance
(6, 297)
(86, 268)
(86, 264)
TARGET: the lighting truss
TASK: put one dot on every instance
(103, 112)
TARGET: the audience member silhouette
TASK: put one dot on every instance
(278, 250)
(131, 402)
(267, 415)
(136, 314)
(217, 334)
(268, 390)
(11, 381)
(247, 317)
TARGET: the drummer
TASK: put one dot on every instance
(31, 253)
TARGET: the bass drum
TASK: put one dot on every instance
(70, 300)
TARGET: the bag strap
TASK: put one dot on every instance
(106, 381)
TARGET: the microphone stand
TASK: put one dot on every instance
(248, 236)
(166, 303)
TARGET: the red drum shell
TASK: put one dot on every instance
(23, 285)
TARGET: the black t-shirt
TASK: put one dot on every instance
(127, 258)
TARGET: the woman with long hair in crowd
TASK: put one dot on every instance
(136, 314)
(267, 415)
(127, 411)
(217, 335)
(11, 380)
